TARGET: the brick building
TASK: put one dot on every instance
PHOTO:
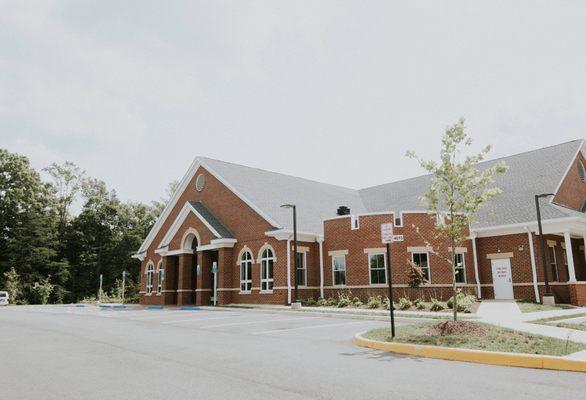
(228, 218)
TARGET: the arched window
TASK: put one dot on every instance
(149, 279)
(267, 261)
(246, 272)
(160, 277)
(581, 171)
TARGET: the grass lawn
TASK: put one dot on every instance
(488, 337)
(554, 322)
(527, 307)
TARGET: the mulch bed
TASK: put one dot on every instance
(447, 328)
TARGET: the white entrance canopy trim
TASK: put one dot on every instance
(217, 244)
(187, 208)
(575, 225)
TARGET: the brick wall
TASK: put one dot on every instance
(572, 191)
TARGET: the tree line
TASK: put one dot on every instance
(49, 254)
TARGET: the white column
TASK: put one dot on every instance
(533, 266)
(321, 267)
(289, 271)
(570, 256)
(475, 257)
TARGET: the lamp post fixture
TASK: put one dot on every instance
(295, 260)
(543, 257)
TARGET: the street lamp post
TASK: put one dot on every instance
(547, 293)
(295, 258)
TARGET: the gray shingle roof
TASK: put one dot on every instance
(530, 173)
(212, 220)
(268, 190)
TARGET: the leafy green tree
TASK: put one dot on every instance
(43, 289)
(457, 191)
(28, 221)
(12, 285)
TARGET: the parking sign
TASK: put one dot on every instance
(386, 233)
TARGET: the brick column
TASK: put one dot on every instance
(186, 282)
(225, 273)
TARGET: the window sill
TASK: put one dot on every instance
(266, 292)
(245, 292)
(378, 285)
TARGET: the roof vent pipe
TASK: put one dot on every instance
(343, 210)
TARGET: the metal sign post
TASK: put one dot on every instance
(215, 272)
(386, 231)
(123, 284)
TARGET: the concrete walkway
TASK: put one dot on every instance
(508, 315)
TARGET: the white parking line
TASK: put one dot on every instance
(197, 319)
(166, 314)
(256, 322)
(306, 327)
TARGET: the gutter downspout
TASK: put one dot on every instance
(289, 271)
(475, 257)
(321, 267)
(533, 266)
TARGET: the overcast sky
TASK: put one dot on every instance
(334, 91)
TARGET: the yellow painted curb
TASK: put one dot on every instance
(476, 356)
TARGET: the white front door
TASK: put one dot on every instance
(502, 279)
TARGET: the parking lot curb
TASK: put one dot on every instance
(475, 356)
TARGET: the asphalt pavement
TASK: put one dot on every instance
(66, 352)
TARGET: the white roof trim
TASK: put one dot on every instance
(555, 192)
(531, 225)
(197, 162)
(217, 244)
(286, 234)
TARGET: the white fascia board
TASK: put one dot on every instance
(197, 162)
(286, 234)
(170, 204)
(139, 257)
(549, 226)
(162, 250)
(555, 192)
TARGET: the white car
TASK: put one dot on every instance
(3, 298)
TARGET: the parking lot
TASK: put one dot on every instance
(66, 352)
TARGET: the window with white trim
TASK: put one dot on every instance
(460, 270)
(421, 259)
(378, 270)
(398, 217)
(302, 268)
(149, 279)
(246, 272)
(267, 262)
(553, 264)
(160, 277)
(339, 270)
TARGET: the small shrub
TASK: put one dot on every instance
(343, 301)
(308, 302)
(437, 305)
(356, 302)
(321, 302)
(374, 302)
(404, 303)
(464, 301)
(331, 302)
(419, 304)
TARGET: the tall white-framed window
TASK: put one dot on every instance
(460, 263)
(267, 262)
(421, 259)
(302, 268)
(553, 264)
(246, 272)
(377, 268)
(149, 279)
(339, 270)
(160, 277)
